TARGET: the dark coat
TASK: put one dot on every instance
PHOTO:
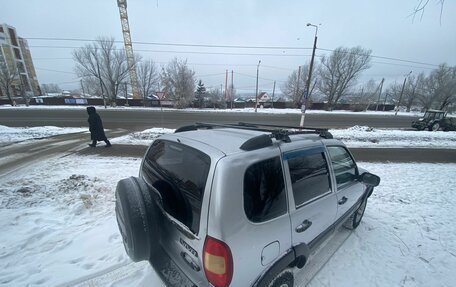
(95, 125)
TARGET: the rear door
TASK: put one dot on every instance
(313, 203)
(182, 176)
(348, 189)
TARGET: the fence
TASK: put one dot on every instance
(156, 103)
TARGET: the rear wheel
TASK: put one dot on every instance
(435, 127)
(355, 219)
(285, 279)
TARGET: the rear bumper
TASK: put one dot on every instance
(169, 272)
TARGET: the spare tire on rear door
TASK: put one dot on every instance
(136, 213)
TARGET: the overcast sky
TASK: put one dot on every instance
(384, 26)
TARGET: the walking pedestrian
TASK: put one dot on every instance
(96, 128)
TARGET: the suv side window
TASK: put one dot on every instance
(344, 167)
(309, 174)
(264, 190)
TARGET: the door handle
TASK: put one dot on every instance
(342, 200)
(303, 226)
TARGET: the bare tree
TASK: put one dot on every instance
(50, 88)
(148, 78)
(367, 94)
(8, 77)
(412, 90)
(294, 87)
(103, 61)
(439, 88)
(339, 72)
(421, 7)
(179, 82)
(91, 86)
(216, 98)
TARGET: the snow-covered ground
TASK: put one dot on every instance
(362, 136)
(357, 136)
(9, 134)
(62, 229)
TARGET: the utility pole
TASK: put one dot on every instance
(380, 93)
(82, 87)
(126, 95)
(231, 90)
(297, 83)
(256, 90)
(402, 92)
(273, 92)
(307, 88)
(226, 84)
(384, 103)
(101, 85)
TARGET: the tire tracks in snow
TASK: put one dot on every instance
(107, 276)
(16, 156)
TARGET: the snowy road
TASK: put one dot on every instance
(21, 150)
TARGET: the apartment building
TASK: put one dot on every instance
(16, 57)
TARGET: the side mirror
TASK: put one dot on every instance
(369, 179)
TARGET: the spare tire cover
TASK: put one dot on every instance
(136, 218)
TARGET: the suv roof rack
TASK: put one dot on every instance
(279, 132)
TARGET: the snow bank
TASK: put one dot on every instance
(58, 222)
(58, 227)
(362, 136)
(141, 138)
(9, 134)
(357, 136)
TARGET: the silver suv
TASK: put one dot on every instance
(239, 204)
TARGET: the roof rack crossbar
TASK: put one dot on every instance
(278, 134)
(281, 126)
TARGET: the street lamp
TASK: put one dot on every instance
(256, 92)
(307, 88)
(402, 92)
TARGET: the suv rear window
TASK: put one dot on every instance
(179, 173)
(264, 190)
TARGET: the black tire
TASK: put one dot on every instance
(355, 219)
(285, 279)
(136, 215)
(435, 127)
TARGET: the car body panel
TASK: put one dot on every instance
(247, 240)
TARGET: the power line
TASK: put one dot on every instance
(210, 75)
(385, 58)
(176, 44)
(251, 76)
(56, 71)
(225, 46)
(186, 52)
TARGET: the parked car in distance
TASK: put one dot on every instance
(239, 204)
(434, 120)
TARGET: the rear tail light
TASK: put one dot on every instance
(218, 262)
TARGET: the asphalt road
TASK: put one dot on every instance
(141, 119)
